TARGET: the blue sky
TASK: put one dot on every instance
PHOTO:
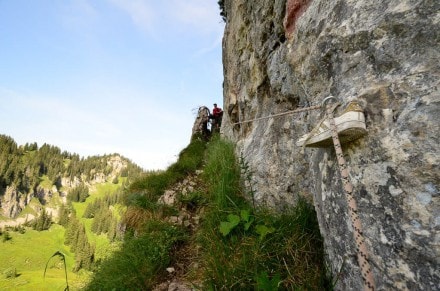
(95, 77)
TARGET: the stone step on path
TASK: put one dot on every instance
(189, 218)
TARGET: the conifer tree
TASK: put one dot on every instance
(63, 214)
(78, 194)
(72, 231)
(43, 221)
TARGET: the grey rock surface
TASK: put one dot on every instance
(386, 56)
(13, 202)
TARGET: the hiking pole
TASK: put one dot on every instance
(361, 248)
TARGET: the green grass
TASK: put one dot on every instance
(237, 247)
(45, 182)
(28, 254)
(258, 248)
(145, 191)
(141, 261)
(101, 191)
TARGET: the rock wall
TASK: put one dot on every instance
(280, 55)
(13, 202)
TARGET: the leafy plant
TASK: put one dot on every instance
(264, 282)
(233, 221)
(247, 218)
(263, 230)
(227, 226)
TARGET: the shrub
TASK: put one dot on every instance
(10, 273)
(6, 236)
(221, 5)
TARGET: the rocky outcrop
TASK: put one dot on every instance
(70, 182)
(200, 126)
(281, 55)
(115, 164)
(45, 195)
(14, 202)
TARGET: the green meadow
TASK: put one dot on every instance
(23, 258)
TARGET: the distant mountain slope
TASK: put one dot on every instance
(30, 172)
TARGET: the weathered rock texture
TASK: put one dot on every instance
(279, 55)
(14, 202)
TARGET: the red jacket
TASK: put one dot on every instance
(217, 111)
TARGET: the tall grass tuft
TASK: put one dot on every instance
(255, 249)
(222, 174)
(141, 262)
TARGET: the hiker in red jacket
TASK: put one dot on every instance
(217, 114)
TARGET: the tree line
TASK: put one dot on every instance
(27, 165)
(24, 166)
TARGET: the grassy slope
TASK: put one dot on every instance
(29, 252)
(257, 249)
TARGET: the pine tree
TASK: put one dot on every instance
(111, 235)
(43, 221)
(72, 230)
(78, 194)
(84, 252)
(63, 214)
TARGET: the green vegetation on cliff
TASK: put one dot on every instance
(235, 246)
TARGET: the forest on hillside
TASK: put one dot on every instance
(25, 165)
(83, 217)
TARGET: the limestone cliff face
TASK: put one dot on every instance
(282, 54)
(14, 202)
